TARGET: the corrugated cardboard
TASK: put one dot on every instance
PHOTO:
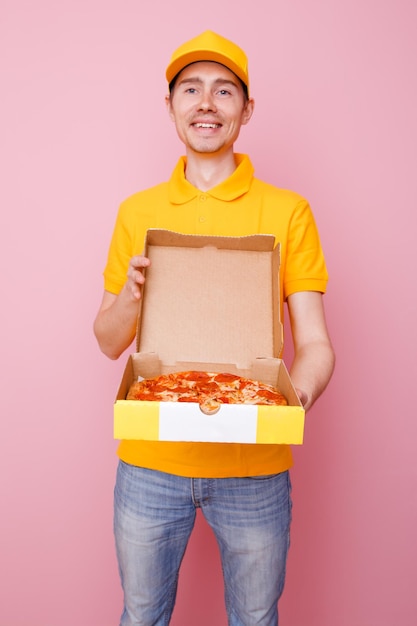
(209, 303)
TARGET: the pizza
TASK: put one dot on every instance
(209, 389)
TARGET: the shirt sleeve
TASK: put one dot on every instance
(121, 250)
(305, 264)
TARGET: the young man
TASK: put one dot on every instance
(242, 489)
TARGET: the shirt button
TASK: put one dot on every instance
(202, 198)
(202, 218)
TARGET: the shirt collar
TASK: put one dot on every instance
(181, 191)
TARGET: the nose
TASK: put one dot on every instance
(207, 101)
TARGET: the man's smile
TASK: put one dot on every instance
(205, 125)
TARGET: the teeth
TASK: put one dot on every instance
(201, 125)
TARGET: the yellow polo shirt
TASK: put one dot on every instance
(241, 205)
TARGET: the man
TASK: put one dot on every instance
(242, 489)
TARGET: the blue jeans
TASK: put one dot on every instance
(154, 517)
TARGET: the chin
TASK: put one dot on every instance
(206, 148)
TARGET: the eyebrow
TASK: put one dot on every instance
(218, 81)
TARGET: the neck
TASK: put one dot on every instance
(205, 171)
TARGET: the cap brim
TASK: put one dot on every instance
(177, 65)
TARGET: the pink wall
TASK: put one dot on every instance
(83, 120)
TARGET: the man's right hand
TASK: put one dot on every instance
(115, 324)
(135, 277)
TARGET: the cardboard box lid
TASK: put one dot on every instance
(210, 299)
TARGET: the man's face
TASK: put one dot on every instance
(208, 107)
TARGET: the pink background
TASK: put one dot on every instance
(83, 126)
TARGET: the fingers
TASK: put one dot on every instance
(303, 397)
(135, 276)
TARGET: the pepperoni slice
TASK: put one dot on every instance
(195, 376)
(266, 393)
(226, 378)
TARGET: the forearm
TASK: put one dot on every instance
(314, 357)
(115, 324)
(311, 370)
(116, 321)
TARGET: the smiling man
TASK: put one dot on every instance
(208, 106)
(243, 490)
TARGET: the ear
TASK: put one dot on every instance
(169, 106)
(248, 110)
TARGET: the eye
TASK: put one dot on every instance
(224, 92)
(191, 90)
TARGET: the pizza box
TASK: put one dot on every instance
(210, 303)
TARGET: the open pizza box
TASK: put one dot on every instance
(212, 304)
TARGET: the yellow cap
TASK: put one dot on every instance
(209, 47)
